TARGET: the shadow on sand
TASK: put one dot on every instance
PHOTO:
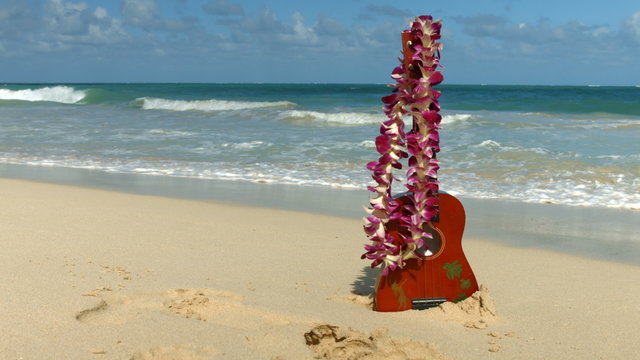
(365, 284)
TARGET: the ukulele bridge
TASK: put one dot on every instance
(426, 303)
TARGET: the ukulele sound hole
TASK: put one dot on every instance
(431, 245)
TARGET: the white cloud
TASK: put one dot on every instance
(631, 28)
(30, 26)
(55, 26)
(300, 33)
(308, 38)
(146, 14)
(573, 39)
(100, 13)
(67, 18)
(265, 23)
(140, 12)
(72, 23)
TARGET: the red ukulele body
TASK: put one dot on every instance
(441, 273)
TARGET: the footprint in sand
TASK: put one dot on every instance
(219, 307)
(336, 343)
(362, 300)
(176, 352)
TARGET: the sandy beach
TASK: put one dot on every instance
(96, 274)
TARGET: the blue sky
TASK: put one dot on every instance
(485, 42)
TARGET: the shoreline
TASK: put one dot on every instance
(600, 233)
(108, 275)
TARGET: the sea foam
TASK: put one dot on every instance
(149, 103)
(60, 94)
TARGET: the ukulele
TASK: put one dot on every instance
(441, 271)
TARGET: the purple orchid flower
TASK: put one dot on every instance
(413, 95)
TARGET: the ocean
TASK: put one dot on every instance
(568, 145)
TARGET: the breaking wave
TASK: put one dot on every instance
(335, 119)
(458, 118)
(355, 118)
(149, 103)
(60, 94)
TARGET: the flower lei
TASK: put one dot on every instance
(411, 95)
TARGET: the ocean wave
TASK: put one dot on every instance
(246, 145)
(368, 144)
(457, 118)
(355, 118)
(256, 173)
(149, 103)
(492, 145)
(586, 188)
(333, 119)
(498, 147)
(60, 94)
(170, 133)
(619, 194)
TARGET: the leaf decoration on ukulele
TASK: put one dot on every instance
(465, 283)
(460, 297)
(453, 269)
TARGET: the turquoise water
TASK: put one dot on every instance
(541, 144)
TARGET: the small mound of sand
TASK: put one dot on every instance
(473, 311)
(333, 342)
